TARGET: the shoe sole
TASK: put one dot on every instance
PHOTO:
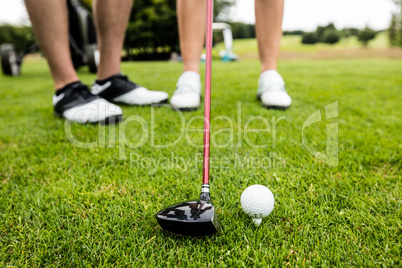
(184, 109)
(152, 104)
(107, 121)
(111, 120)
(275, 107)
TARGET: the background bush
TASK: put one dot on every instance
(21, 36)
(366, 35)
(395, 27)
(331, 36)
(152, 31)
(324, 34)
(242, 30)
(310, 38)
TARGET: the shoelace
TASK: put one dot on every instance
(184, 88)
(82, 91)
(273, 82)
(127, 81)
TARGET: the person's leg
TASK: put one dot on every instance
(191, 18)
(111, 18)
(271, 87)
(72, 100)
(268, 24)
(50, 25)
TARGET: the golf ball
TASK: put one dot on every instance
(257, 201)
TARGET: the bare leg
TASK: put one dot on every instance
(268, 16)
(111, 18)
(50, 24)
(191, 16)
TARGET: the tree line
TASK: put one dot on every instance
(330, 35)
(395, 28)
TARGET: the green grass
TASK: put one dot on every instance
(62, 205)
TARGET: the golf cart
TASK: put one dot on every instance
(82, 40)
(227, 54)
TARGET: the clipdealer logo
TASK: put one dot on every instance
(239, 132)
(330, 156)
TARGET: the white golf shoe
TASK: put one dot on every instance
(187, 95)
(119, 89)
(75, 103)
(271, 91)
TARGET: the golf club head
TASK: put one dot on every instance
(193, 218)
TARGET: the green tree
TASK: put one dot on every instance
(296, 32)
(366, 35)
(331, 36)
(395, 28)
(242, 30)
(221, 9)
(152, 29)
(320, 31)
(325, 34)
(393, 31)
(21, 36)
(347, 32)
(309, 38)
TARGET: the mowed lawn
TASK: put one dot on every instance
(292, 48)
(86, 195)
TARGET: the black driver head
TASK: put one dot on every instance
(193, 218)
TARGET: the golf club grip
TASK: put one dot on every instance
(207, 100)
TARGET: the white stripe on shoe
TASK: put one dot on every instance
(96, 89)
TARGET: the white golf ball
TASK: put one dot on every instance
(257, 201)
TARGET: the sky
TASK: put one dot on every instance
(308, 14)
(299, 14)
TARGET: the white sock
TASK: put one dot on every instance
(272, 75)
(189, 76)
(269, 73)
(189, 80)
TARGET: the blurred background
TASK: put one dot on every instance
(312, 28)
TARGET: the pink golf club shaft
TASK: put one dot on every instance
(208, 74)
